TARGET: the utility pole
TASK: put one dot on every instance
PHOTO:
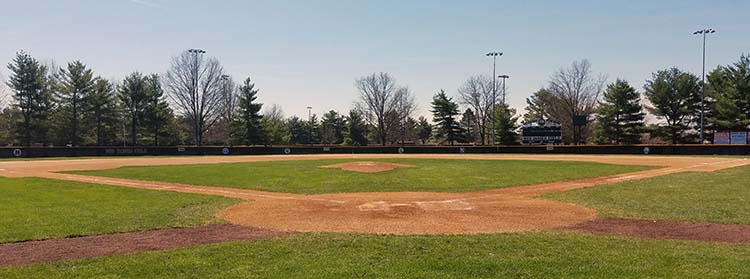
(494, 56)
(703, 32)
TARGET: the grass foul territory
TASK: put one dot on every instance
(35, 208)
(520, 255)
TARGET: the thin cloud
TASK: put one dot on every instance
(147, 4)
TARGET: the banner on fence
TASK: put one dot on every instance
(722, 138)
(738, 138)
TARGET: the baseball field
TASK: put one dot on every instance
(376, 216)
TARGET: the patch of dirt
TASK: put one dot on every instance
(21, 253)
(499, 210)
(367, 167)
(681, 230)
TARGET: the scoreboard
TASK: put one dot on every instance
(541, 132)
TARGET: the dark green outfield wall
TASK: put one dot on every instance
(35, 152)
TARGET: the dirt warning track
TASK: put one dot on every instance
(500, 210)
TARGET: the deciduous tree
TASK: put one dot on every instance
(194, 84)
(476, 92)
(575, 91)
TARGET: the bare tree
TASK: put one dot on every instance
(3, 92)
(274, 125)
(476, 92)
(378, 94)
(195, 86)
(273, 113)
(404, 107)
(228, 105)
(229, 97)
(575, 92)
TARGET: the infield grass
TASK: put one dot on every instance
(717, 197)
(36, 208)
(434, 175)
(518, 255)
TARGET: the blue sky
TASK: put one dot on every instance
(304, 53)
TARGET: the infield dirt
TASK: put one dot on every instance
(501, 210)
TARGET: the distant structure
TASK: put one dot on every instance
(731, 137)
(541, 132)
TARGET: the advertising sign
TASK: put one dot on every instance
(738, 138)
(721, 138)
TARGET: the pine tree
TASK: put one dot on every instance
(424, 130)
(332, 128)
(538, 106)
(356, 128)
(76, 85)
(247, 127)
(674, 95)
(157, 113)
(133, 95)
(620, 115)
(312, 130)
(102, 111)
(28, 80)
(297, 132)
(444, 111)
(506, 125)
(728, 89)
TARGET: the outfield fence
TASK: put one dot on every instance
(37, 152)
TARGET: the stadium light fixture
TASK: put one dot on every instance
(703, 33)
(504, 77)
(494, 56)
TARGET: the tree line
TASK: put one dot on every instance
(196, 103)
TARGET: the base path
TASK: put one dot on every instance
(500, 210)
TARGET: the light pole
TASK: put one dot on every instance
(494, 56)
(309, 121)
(228, 107)
(194, 81)
(504, 77)
(703, 32)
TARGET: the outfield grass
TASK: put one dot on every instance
(428, 175)
(35, 208)
(718, 197)
(521, 255)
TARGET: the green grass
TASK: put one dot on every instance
(35, 208)
(521, 255)
(429, 175)
(718, 197)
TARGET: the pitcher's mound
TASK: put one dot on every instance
(367, 167)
